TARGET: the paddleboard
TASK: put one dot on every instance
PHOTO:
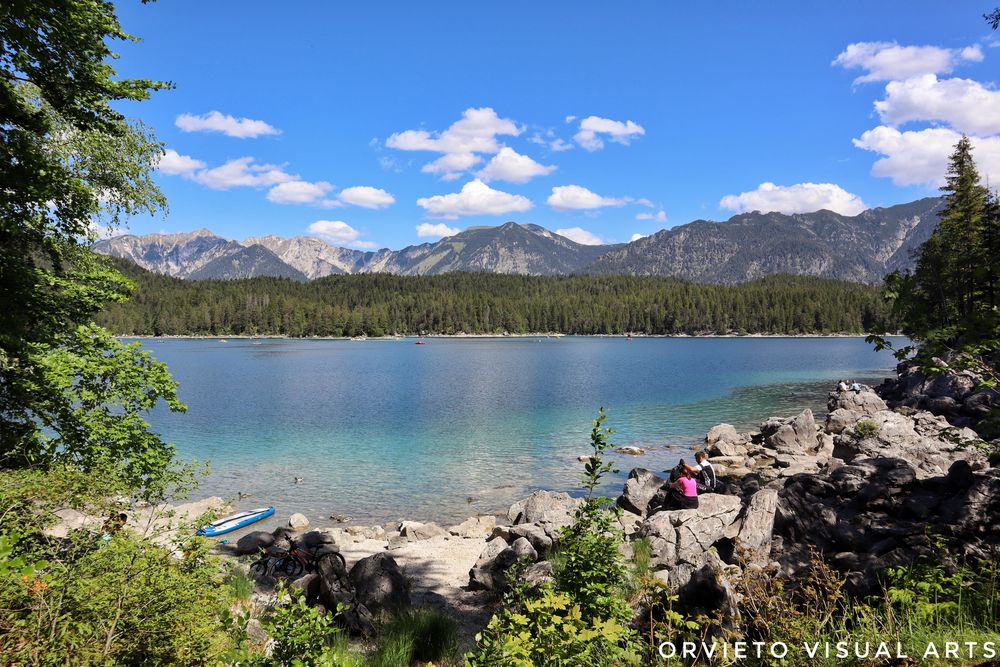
(235, 522)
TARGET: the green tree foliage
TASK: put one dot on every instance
(69, 163)
(381, 304)
(583, 618)
(949, 302)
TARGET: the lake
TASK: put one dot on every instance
(385, 429)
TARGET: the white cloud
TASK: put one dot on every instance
(439, 230)
(798, 198)
(509, 165)
(593, 127)
(659, 216)
(300, 192)
(888, 61)
(966, 105)
(213, 121)
(366, 197)
(175, 164)
(637, 236)
(575, 198)
(921, 157)
(476, 198)
(242, 172)
(558, 146)
(581, 236)
(338, 232)
(451, 165)
(476, 132)
(570, 119)
(645, 202)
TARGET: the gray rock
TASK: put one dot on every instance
(640, 487)
(841, 419)
(254, 542)
(545, 507)
(678, 536)
(475, 527)
(523, 550)
(794, 436)
(722, 433)
(536, 536)
(298, 521)
(379, 584)
(865, 402)
(539, 573)
(757, 525)
(335, 589)
(415, 531)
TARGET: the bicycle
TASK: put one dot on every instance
(290, 562)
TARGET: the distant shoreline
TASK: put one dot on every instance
(485, 336)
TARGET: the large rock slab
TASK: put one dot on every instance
(640, 488)
(865, 402)
(757, 525)
(680, 536)
(475, 527)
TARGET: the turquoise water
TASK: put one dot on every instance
(379, 430)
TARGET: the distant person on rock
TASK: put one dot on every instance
(842, 387)
(855, 387)
(706, 474)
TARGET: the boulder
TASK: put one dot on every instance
(793, 436)
(757, 526)
(678, 536)
(481, 575)
(841, 419)
(538, 573)
(379, 584)
(415, 531)
(335, 589)
(553, 509)
(630, 451)
(523, 550)
(298, 522)
(316, 540)
(254, 542)
(722, 433)
(864, 402)
(536, 536)
(475, 527)
(640, 487)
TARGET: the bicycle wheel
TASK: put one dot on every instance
(292, 566)
(260, 566)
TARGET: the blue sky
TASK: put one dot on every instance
(386, 124)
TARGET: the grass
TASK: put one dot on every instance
(239, 585)
(418, 635)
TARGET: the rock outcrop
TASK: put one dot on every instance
(959, 396)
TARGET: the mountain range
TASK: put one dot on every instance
(861, 248)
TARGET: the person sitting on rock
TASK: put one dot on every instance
(842, 387)
(706, 473)
(677, 470)
(855, 387)
(683, 492)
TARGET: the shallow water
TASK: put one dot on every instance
(380, 430)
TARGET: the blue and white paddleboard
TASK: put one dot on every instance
(234, 522)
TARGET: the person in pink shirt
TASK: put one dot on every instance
(684, 492)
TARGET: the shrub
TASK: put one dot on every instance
(582, 618)
(304, 635)
(866, 428)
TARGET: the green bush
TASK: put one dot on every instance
(304, 636)
(583, 617)
(866, 428)
(417, 635)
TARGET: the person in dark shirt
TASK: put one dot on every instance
(706, 479)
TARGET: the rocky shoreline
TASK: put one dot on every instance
(870, 487)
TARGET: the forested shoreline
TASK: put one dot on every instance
(481, 303)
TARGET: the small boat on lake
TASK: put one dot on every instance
(420, 342)
(235, 522)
